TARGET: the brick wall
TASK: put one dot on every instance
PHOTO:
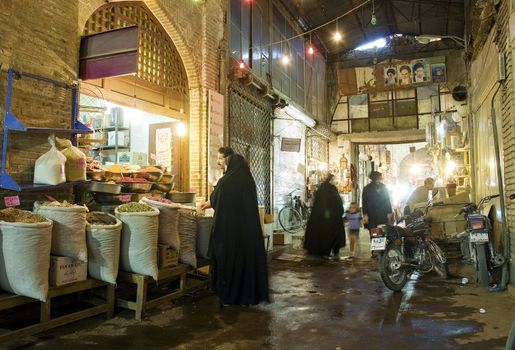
(45, 40)
(41, 41)
(508, 124)
(505, 102)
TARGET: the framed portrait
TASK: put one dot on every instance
(420, 72)
(390, 75)
(404, 75)
(438, 73)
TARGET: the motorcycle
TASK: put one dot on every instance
(488, 262)
(404, 250)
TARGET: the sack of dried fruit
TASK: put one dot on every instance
(103, 233)
(138, 251)
(69, 230)
(25, 253)
(168, 233)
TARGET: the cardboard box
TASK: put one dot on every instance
(136, 158)
(166, 257)
(282, 238)
(123, 138)
(64, 270)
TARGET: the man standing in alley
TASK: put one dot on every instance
(377, 209)
(419, 195)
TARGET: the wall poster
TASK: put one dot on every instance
(215, 134)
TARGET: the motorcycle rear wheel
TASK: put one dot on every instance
(481, 266)
(393, 274)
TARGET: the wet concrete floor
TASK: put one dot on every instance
(318, 304)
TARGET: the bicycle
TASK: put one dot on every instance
(295, 214)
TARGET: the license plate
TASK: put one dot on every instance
(478, 237)
(378, 243)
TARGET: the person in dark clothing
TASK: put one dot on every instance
(325, 232)
(377, 209)
(238, 258)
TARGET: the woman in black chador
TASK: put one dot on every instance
(238, 258)
(325, 233)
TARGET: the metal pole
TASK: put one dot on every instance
(7, 111)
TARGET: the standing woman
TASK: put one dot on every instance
(238, 258)
(325, 233)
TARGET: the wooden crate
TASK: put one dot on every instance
(166, 257)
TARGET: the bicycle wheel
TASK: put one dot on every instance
(290, 219)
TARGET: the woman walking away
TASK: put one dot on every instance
(238, 258)
(325, 233)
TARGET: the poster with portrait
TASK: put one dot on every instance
(438, 73)
(404, 75)
(390, 76)
(420, 72)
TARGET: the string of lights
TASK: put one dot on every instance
(310, 50)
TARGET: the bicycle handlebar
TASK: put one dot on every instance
(296, 189)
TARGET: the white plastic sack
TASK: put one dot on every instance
(104, 250)
(75, 167)
(69, 230)
(138, 251)
(205, 225)
(25, 258)
(168, 233)
(49, 168)
(188, 234)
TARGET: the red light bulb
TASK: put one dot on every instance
(242, 65)
(311, 50)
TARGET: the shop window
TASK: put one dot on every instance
(359, 125)
(358, 106)
(406, 122)
(381, 124)
(428, 98)
(405, 107)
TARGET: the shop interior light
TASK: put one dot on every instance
(181, 129)
(337, 36)
(449, 168)
(285, 60)
(311, 50)
(242, 65)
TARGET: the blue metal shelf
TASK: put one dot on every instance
(13, 124)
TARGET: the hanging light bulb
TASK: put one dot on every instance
(242, 65)
(337, 35)
(373, 20)
(285, 60)
(311, 50)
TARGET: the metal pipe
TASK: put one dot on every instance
(505, 233)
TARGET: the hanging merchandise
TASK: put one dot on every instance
(49, 169)
(75, 167)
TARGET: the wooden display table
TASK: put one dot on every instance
(8, 301)
(142, 302)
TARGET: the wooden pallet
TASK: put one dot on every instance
(142, 302)
(8, 301)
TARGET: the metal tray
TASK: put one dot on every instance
(104, 187)
(136, 186)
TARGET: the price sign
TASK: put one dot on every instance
(125, 198)
(12, 201)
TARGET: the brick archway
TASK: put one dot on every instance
(196, 100)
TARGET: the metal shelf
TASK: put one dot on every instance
(112, 128)
(13, 124)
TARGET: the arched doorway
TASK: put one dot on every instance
(158, 87)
